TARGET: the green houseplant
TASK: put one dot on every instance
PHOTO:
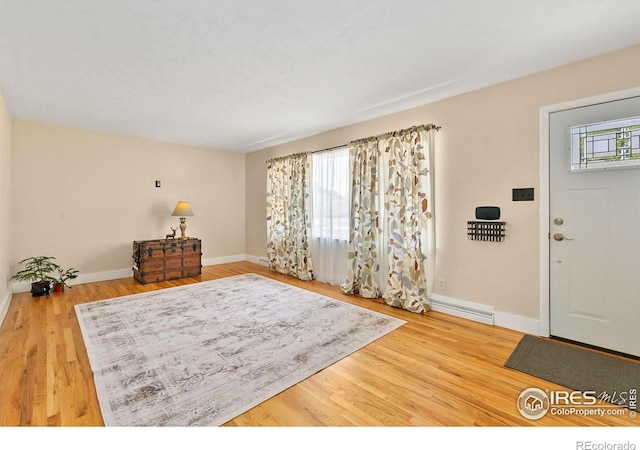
(37, 270)
(60, 281)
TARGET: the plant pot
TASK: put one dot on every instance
(40, 288)
(58, 287)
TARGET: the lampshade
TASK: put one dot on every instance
(182, 209)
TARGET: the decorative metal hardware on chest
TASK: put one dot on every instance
(162, 259)
(486, 231)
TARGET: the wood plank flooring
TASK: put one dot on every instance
(437, 370)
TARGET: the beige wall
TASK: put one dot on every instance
(488, 144)
(6, 232)
(84, 196)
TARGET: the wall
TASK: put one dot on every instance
(85, 196)
(6, 251)
(488, 144)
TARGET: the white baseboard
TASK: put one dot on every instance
(223, 260)
(4, 305)
(125, 273)
(102, 276)
(262, 260)
(484, 314)
(518, 323)
(461, 308)
(83, 278)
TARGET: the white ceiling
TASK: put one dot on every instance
(241, 75)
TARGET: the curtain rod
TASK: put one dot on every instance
(293, 155)
(277, 158)
(427, 127)
(329, 149)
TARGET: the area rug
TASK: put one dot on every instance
(612, 378)
(204, 353)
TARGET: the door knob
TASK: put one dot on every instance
(560, 237)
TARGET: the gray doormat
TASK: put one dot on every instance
(579, 369)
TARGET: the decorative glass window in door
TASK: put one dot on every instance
(605, 145)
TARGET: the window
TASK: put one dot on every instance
(330, 214)
(330, 194)
(604, 145)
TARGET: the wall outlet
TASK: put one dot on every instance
(442, 284)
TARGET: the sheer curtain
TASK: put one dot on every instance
(288, 225)
(330, 214)
(372, 228)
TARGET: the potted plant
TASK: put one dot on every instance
(37, 270)
(60, 282)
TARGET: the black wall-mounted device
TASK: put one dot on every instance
(522, 195)
(487, 213)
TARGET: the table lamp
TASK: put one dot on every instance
(182, 210)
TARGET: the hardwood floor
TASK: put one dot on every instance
(437, 370)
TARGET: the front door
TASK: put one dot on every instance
(595, 225)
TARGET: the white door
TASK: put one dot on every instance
(595, 225)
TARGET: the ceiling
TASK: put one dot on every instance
(242, 75)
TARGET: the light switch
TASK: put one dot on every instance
(522, 195)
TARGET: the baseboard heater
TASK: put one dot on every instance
(463, 311)
(454, 307)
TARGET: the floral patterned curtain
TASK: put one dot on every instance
(363, 253)
(288, 225)
(408, 218)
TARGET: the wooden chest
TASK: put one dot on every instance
(166, 259)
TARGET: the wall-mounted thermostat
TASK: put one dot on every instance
(487, 213)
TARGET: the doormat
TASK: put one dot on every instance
(613, 379)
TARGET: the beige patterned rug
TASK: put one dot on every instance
(204, 353)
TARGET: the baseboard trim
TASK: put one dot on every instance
(103, 276)
(83, 278)
(4, 305)
(463, 308)
(223, 260)
(262, 260)
(484, 314)
(125, 273)
(517, 323)
(456, 307)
